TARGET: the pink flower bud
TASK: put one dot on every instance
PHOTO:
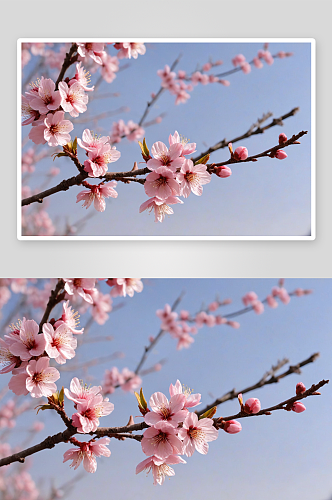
(252, 405)
(246, 68)
(300, 388)
(258, 307)
(220, 320)
(213, 306)
(233, 324)
(298, 407)
(181, 74)
(218, 63)
(232, 426)
(157, 367)
(224, 82)
(271, 301)
(223, 172)
(241, 153)
(280, 154)
(257, 63)
(282, 138)
(207, 67)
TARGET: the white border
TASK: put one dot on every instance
(312, 237)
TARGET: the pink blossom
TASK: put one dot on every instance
(47, 98)
(249, 298)
(252, 405)
(17, 384)
(271, 301)
(112, 379)
(90, 142)
(73, 98)
(160, 468)
(87, 452)
(131, 381)
(28, 343)
(280, 154)
(161, 183)
(79, 393)
(94, 50)
(163, 410)
(233, 324)
(191, 399)
(60, 343)
(161, 441)
(232, 426)
(258, 307)
(57, 129)
(89, 411)
(160, 207)
(238, 60)
(7, 359)
(124, 286)
(257, 63)
(130, 49)
(109, 68)
(99, 158)
(192, 177)
(298, 407)
(164, 157)
(223, 172)
(81, 287)
(167, 76)
(226, 83)
(28, 113)
(36, 134)
(300, 388)
(282, 294)
(167, 316)
(184, 340)
(180, 91)
(97, 195)
(196, 434)
(41, 378)
(240, 153)
(199, 77)
(82, 76)
(246, 68)
(70, 318)
(102, 304)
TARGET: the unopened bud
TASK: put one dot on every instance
(241, 153)
(282, 138)
(298, 407)
(300, 388)
(232, 427)
(252, 405)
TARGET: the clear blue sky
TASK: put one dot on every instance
(266, 198)
(285, 455)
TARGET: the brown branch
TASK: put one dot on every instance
(269, 378)
(285, 405)
(269, 152)
(54, 299)
(68, 61)
(255, 129)
(49, 442)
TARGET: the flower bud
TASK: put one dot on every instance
(241, 153)
(223, 172)
(252, 405)
(280, 154)
(298, 407)
(300, 388)
(282, 138)
(232, 426)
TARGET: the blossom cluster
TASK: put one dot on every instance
(182, 326)
(180, 83)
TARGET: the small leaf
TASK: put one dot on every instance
(209, 413)
(203, 160)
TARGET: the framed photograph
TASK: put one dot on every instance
(175, 139)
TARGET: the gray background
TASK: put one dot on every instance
(171, 258)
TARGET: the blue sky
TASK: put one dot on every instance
(276, 456)
(266, 198)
